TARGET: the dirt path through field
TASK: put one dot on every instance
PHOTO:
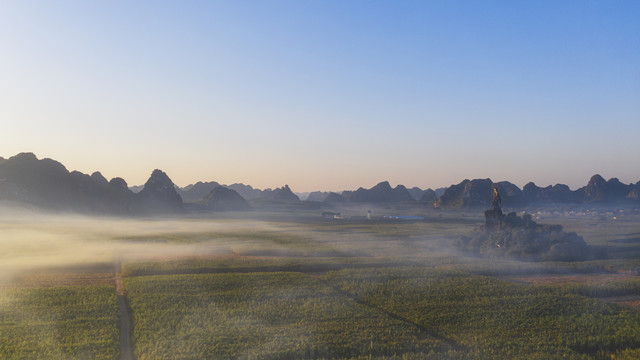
(126, 351)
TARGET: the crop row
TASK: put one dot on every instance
(72, 322)
(265, 316)
(494, 318)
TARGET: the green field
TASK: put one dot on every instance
(392, 312)
(263, 316)
(66, 322)
(296, 286)
(494, 318)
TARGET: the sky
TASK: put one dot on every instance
(325, 95)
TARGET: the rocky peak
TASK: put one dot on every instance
(317, 196)
(616, 190)
(596, 181)
(594, 191)
(382, 186)
(197, 191)
(467, 194)
(428, 196)
(531, 188)
(380, 193)
(416, 193)
(159, 181)
(118, 183)
(30, 166)
(159, 194)
(493, 217)
(521, 238)
(24, 157)
(334, 197)
(98, 178)
(599, 190)
(284, 194)
(225, 199)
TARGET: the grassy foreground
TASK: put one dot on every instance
(401, 313)
(265, 316)
(68, 322)
(496, 319)
(213, 289)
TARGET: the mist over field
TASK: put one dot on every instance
(287, 282)
(33, 240)
(383, 272)
(321, 179)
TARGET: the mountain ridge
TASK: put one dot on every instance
(47, 184)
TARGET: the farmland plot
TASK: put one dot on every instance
(65, 322)
(265, 316)
(497, 319)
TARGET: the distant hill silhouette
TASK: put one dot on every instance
(282, 195)
(318, 196)
(478, 192)
(48, 184)
(416, 193)
(600, 191)
(197, 191)
(428, 196)
(246, 191)
(440, 191)
(380, 193)
(335, 198)
(224, 199)
(558, 193)
(634, 194)
(158, 196)
(467, 194)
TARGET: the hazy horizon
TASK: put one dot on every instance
(325, 95)
(368, 185)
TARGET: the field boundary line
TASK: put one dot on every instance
(395, 316)
(303, 269)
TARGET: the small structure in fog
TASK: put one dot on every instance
(331, 215)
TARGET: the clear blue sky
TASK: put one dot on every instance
(325, 95)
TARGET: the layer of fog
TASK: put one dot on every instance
(35, 241)
(43, 242)
(39, 242)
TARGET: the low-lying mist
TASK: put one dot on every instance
(277, 282)
(36, 241)
(33, 241)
